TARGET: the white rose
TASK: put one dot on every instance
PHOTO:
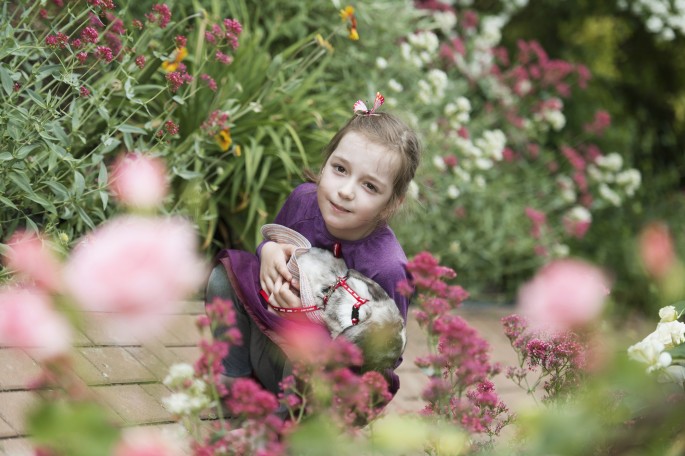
(670, 333)
(668, 313)
(649, 351)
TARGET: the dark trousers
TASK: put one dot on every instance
(258, 356)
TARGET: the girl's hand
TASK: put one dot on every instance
(273, 269)
(283, 295)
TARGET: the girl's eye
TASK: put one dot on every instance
(371, 187)
(339, 168)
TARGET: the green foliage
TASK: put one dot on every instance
(74, 428)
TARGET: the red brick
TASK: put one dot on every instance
(117, 365)
(18, 369)
(133, 404)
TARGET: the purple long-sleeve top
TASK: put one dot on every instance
(378, 256)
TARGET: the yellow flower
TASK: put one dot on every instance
(324, 43)
(224, 140)
(354, 35)
(179, 55)
(237, 150)
(347, 13)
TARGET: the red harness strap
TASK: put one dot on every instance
(342, 282)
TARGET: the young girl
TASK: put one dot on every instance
(367, 168)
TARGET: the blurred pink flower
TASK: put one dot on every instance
(139, 180)
(27, 320)
(656, 249)
(32, 257)
(148, 442)
(563, 295)
(137, 268)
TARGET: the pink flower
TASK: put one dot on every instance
(90, 35)
(84, 92)
(140, 61)
(82, 56)
(136, 268)
(656, 250)
(170, 127)
(211, 83)
(161, 14)
(104, 53)
(27, 320)
(564, 294)
(33, 257)
(147, 442)
(180, 41)
(539, 221)
(138, 180)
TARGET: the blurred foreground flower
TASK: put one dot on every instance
(28, 320)
(149, 442)
(564, 295)
(656, 250)
(139, 180)
(136, 268)
(32, 257)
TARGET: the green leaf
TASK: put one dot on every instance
(58, 189)
(131, 129)
(102, 175)
(7, 202)
(47, 205)
(79, 183)
(109, 144)
(5, 156)
(22, 181)
(178, 100)
(104, 197)
(85, 217)
(25, 150)
(128, 89)
(104, 113)
(46, 70)
(76, 429)
(75, 111)
(6, 80)
(678, 351)
(35, 96)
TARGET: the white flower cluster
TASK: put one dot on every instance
(567, 188)
(432, 90)
(550, 117)
(614, 182)
(475, 157)
(420, 48)
(190, 393)
(651, 350)
(458, 113)
(664, 18)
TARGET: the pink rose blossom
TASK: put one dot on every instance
(137, 268)
(27, 320)
(147, 442)
(656, 250)
(563, 295)
(32, 256)
(138, 180)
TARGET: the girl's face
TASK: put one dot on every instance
(355, 186)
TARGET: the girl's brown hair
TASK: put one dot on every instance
(389, 131)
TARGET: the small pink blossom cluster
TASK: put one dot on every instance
(217, 121)
(560, 359)
(326, 380)
(176, 79)
(459, 387)
(160, 15)
(224, 36)
(435, 296)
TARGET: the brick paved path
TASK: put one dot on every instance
(126, 374)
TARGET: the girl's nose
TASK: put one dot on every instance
(346, 191)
